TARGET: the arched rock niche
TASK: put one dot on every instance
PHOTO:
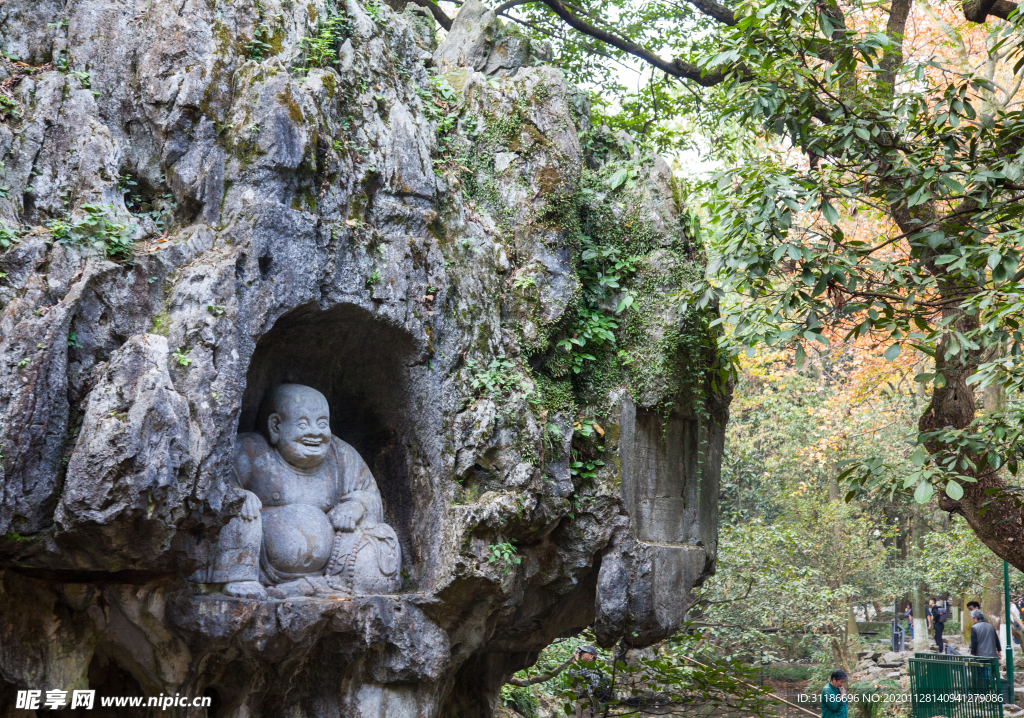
(359, 363)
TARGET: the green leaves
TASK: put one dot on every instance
(97, 229)
(618, 178)
(678, 672)
(182, 358)
(504, 554)
(9, 235)
(850, 201)
(495, 381)
(952, 184)
(919, 457)
(322, 49)
(605, 272)
(958, 457)
(261, 45)
(926, 190)
(585, 469)
(626, 302)
(444, 89)
(801, 357)
(923, 493)
(829, 212)
(919, 196)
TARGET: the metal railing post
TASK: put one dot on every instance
(1008, 697)
(896, 639)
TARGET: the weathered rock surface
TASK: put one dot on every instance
(893, 658)
(432, 254)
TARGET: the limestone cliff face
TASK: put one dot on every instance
(196, 204)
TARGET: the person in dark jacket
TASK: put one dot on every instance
(938, 616)
(984, 638)
(833, 696)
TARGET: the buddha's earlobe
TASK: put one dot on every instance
(274, 428)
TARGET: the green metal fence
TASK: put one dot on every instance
(955, 686)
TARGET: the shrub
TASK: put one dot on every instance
(97, 230)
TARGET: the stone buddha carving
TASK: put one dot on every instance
(312, 521)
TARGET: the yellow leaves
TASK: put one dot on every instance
(796, 426)
(585, 427)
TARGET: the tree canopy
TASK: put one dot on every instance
(868, 188)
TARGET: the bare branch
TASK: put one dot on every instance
(442, 19)
(543, 31)
(540, 677)
(963, 59)
(675, 67)
(506, 6)
(715, 10)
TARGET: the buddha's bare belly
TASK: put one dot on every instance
(297, 538)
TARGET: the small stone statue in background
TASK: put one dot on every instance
(312, 520)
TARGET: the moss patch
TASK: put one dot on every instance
(294, 111)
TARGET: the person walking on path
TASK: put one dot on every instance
(984, 639)
(938, 618)
(833, 696)
(909, 615)
(985, 643)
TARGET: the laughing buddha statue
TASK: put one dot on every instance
(312, 521)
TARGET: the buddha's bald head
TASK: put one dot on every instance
(299, 424)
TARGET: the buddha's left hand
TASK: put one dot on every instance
(345, 516)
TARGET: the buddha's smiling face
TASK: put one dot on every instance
(300, 426)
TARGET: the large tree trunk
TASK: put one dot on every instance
(999, 528)
(995, 520)
(840, 654)
(965, 618)
(921, 638)
(992, 597)
(952, 404)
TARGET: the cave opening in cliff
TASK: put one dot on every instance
(358, 362)
(109, 675)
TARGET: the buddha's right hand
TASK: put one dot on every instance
(251, 507)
